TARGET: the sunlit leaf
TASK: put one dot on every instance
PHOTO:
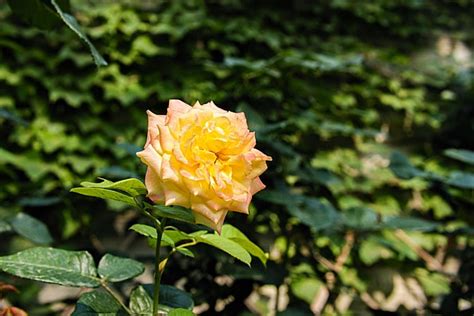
(117, 269)
(64, 267)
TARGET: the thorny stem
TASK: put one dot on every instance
(156, 291)
(116, 296)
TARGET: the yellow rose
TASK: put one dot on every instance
(203, 158)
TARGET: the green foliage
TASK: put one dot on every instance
(97, 303)
(74, 268)
(116, 269)
(175, 212)
(365, 107)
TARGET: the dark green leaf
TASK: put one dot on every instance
(175, 212)
(97, 303)
(140, 302)
(402, 168)
(464, 180)
(117, 269)
(31, 228)
(171, 296)
(360, 218)
(37, 12)
(64, 267)
(71, 22)
(463, 155)
(316, 214)
(409, 223)
(39, 201)
(279, 197)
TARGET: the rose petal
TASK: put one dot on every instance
(154, 186)
(153, 121)
(176, 108)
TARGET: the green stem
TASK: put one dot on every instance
(116, 296)
(156, 291)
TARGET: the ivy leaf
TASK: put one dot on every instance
(463, 155)
(360, 218)
(140, 302)
(402, 168)
(226, 245)
(31, 228)
(409, 223)
(232, 233)
(97, 303)
(175, 212)
(117, 269)
(64, 267)
(464, 180)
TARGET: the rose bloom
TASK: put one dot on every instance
(203, 158)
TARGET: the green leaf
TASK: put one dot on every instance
(402, 168)
(64, 267)
(145, 230)
(105, 194)
(132, 186)
(176, 236)
(150, 232)
(38, 13)
(171, 296)
(371, 250)
(180, 312)
(409, 223)
(463, 155)
(232, 233)
(306, 288)
(97, 303)
(117, 269)
(464, 180)
(360, 218)
(226, 245)
(31, 228)
(279, 197)
(140, 302)
(186, 252)
(316, 214)
(175, 212)
(433, 283)
(71, 22)
(4, 227)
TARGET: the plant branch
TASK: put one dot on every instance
(158, 273)
(430, 261)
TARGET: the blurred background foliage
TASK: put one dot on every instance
(365, 106)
